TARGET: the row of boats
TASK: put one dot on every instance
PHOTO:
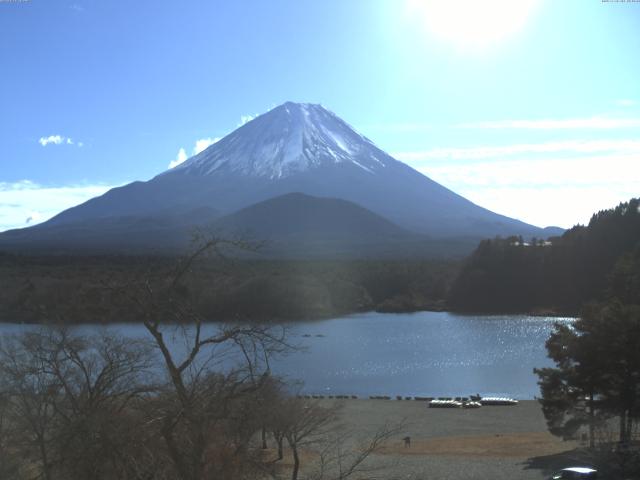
(472, 402)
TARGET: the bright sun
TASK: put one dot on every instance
(472, 24)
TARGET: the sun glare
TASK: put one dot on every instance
(472, 24)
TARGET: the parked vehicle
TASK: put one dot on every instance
(575, 473)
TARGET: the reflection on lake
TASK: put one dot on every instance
(424, 353)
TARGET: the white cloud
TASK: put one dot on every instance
(555, 124)
(34, 217)
(180, 158)
(246, 119)
(408, 127)
(200, 145)
(203, 144)
(564, 207)
(482, 152)
(57, 140)
(626, 102)
(544, 191)
(27, 203)
(549, 183)
(613, 170)
(558, 207)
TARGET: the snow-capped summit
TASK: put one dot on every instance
(291, 138)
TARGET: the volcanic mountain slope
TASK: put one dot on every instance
(139, 234)
(292, 148)
(294, 225)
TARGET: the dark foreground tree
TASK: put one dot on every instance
(597, 374)
(209, 407)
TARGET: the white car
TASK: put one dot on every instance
(575, 473)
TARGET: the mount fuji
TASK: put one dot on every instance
(293, 148)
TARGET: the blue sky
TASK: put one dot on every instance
(533, 111)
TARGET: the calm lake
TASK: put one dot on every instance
(424, 353)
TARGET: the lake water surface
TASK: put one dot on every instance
(424, 353)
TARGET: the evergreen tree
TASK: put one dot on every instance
(597, 374)
(501, 276)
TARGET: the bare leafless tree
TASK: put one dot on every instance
(194, 401)
(29, 411)
(343, 456)
(68, 400)
(9, 466)
(307, 424)
(314, 427)
(208, 414)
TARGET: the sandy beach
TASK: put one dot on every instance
(486, 443)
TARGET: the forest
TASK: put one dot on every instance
(229, 289)
(557, 276)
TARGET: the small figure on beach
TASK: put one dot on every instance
(407, 442)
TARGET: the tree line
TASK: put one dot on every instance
(223, 289)
(555, 276)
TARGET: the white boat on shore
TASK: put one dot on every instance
(445, 404)
(498, 401)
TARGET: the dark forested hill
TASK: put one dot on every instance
(78, 289)
(510, 275)
(303, 216)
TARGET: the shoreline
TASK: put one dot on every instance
(498, 442)
(284, 322)
(405, 399)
